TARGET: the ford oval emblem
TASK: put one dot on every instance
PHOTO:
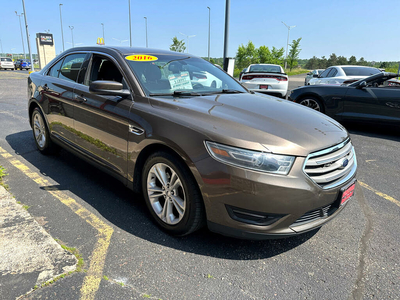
(345, 163)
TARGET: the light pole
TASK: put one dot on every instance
(27, 37)
(130, 26)
(226, 37)
(104, 41)
(62, 32)
(209, 31)
(187, 37)
(120, 41)
(72, 35)
(147, 45)
(287, 44)
(12, 54)
(22, 36)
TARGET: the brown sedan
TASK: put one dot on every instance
(200, 147)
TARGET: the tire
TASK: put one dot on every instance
(41, 133)
(313, 103)
(178, 208)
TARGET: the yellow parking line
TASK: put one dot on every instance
(92, 280)
(387, 197)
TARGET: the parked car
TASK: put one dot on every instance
(22, 64)
(247, 165)
(266, 78)
(313, 74)
(368, 100)
(6, 63)
(343, 75)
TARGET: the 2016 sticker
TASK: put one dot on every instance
(141, 57)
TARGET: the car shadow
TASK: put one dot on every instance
(127, 210)
(372, 130)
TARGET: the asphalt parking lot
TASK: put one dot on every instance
(355, 256)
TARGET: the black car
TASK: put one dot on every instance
(373, 99)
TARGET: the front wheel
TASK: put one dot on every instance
(313, 103)
(172, 194)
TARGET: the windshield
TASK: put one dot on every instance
(265, 69)
(172, 74)
(360, 71)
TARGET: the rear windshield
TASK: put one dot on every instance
(6, 59)
(265, 69)
(354, 71)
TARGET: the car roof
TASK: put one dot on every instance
(130, 50)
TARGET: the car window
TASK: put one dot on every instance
(325, 73)
(54, 70)
(332, 73)
(263, 68)
(6, 59)
(71, 66)
(168, 73)
(360, 71)
(103, 68)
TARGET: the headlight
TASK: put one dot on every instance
(254, 160)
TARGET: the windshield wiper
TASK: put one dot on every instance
(176, 93)
(229, 91)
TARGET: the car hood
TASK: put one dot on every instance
(255, 121)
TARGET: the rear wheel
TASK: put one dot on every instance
(171, 194)
(41, 133)
(313, 103)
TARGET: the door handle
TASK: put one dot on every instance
(80, 99)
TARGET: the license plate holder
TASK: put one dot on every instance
(347, 192)
(263, 87)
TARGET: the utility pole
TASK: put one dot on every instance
(226, 38)
(104, 41)
(287, 44)
(62, 32)
(187, 37)
(147, 45)
(27, 37)
(72, 35)
(209, 31)
(20, 27)
(130, 26)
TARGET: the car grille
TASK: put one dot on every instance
(333, 166)
(315, 215)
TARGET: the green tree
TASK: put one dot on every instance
(341, 60)
(264, 55)
(247, 55)
(177, 45)
(362, 62)
(294, 53)
(352, 60)
(332, 61)
(313, 63)
(277, 56)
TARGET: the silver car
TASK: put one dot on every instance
(313, 74)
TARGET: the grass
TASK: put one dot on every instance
(3, 173)
(296, 71)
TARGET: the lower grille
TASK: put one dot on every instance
(314, 215)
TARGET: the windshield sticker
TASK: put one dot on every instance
(141, 57)
(180, 81)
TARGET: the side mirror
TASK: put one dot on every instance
(315, 75)
(362, 85)
(105, 87)
(309, 73)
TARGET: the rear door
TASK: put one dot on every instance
(58, 100)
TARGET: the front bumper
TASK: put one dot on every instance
(292, 198)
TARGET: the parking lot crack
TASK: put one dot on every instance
(358, 289)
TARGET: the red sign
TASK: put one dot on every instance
(347, 194)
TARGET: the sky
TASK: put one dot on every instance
(344, 27)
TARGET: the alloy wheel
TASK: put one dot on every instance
(311, 103)
(39, 130)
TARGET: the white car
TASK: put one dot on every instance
(6, 63)
(343, 74)
(266, 78)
